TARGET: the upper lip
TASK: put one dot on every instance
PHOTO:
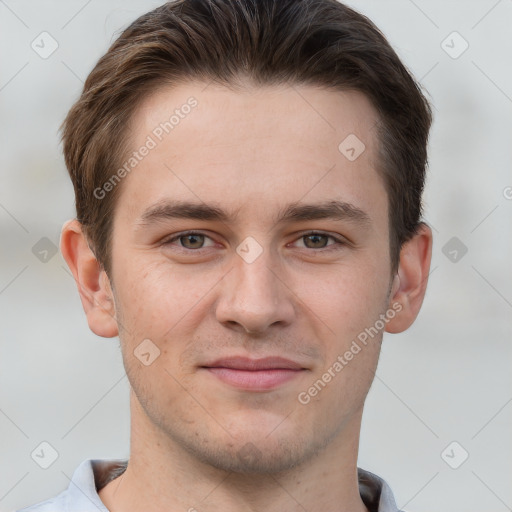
(246, 363)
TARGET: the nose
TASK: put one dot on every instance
(255, 296)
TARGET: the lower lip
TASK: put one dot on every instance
(255, 380)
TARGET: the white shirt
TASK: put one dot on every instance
(92, 475)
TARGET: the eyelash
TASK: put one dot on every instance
(335, 246)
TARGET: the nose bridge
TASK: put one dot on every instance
(257, 281)
(253, 296)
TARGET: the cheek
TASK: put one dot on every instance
(155, 299)
(348, 306)
(346, 300)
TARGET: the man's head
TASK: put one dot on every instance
(253, 247)
(265, 42)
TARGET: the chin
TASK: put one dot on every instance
(255, 451)
(256, 458)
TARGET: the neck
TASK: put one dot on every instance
(161, 475)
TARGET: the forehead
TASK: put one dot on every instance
(254, 149)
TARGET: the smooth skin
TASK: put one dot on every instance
(196, 441)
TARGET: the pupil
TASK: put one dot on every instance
(316, 239)
(192, 241)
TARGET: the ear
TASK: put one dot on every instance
(410, 282)
(92, 282)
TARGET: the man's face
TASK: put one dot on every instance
(268, 278)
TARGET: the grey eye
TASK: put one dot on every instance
(316, 241)
(192, 241)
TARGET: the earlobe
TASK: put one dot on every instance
(410, 283)
(92, 281)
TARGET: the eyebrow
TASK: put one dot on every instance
(335, 210)
(166, 209)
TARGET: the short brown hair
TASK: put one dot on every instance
(311, 42)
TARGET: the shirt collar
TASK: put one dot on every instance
(93, 474)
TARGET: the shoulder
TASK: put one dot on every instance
(81, 494)
(55, 504)
(375, 492)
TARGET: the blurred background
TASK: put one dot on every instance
(437, 424)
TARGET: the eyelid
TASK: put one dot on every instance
(339, 240)
(177, 236)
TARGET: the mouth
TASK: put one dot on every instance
(255, 374)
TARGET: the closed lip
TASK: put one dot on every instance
(249, 364)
